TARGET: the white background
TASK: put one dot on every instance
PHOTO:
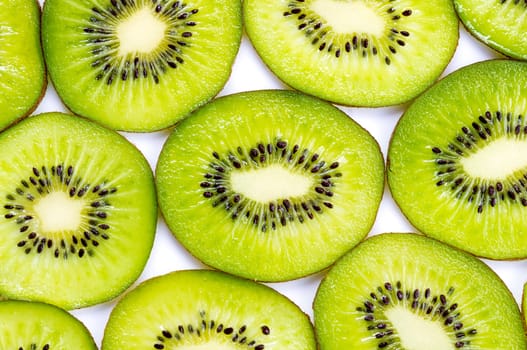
(249, 73)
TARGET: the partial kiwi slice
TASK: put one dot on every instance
(270, 185)
(39, 326)
(139, 65)
(457, 164)
(78, 211)
(200, 309)
(405, 291)
(22, 70)
(354, 52)
(498, 23)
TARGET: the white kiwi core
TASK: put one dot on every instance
(417, 333)
(57, 212)
(349, 16)
(270, 183)
(497, 160)
(142, 32)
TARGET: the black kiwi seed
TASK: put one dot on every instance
(59, 177)
(216, 187)
(100, 32)
(485, 194)
(360, 44)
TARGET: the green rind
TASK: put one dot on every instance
(242, 120)
(50, 139)
(524, 306)
(22, 69)
(143, 105)
(434, 119)
(24, 323)
(497, 25)
(350, 80)
(417, 262)
(168, 301)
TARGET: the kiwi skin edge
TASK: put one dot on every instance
(524, 306)
(45, 78)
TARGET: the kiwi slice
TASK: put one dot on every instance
(498, 23)
(361, 52)
(405, 291)
(200, 309)
(39, 326)
(78, 211)
(22, 70)
(456, 162)
(270, 185)
(139, 65)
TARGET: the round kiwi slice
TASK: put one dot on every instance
(22, 70)
(39, 326)
(404, 291)
(200, 309)
(457, 164)
(361, 52)
(139, 65)
(499, 24)
(78, 211)
(270, 185)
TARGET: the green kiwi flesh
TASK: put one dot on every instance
(499, 24)
(360, 53)
(22, 70)
(201, 309)
(269, 185)
(78, 211)
(456, 161)
(139, 65)
(39, 326)
(406, 291)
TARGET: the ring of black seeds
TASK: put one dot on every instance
(40, 182)
(100, 32)
(484, 194)
(207, 327)
(216, 188)
(364, 45)
(435, 307)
